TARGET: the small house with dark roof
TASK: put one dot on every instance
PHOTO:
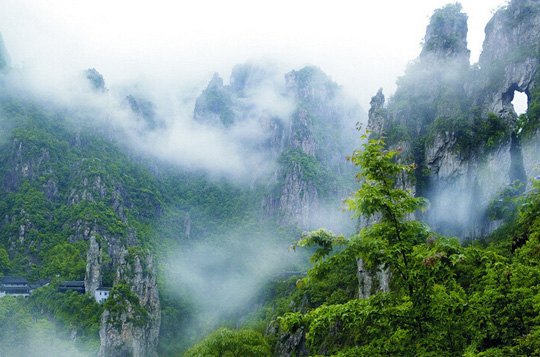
(14, 286)
(102, 293)
(70, 285)
(13, 281)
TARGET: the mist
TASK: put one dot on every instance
(362, 46)
(168, 53)
(224, 274)
(164, 56)
(237, 152)
(24, 335)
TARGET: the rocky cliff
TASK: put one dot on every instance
(69, 211)
(457, 121)
(78, 204)
(131, 321)
(312, 164)
(309, 138)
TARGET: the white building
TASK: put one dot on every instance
(102, 294)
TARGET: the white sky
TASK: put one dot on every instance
(362, 45)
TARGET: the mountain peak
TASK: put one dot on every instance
(96, 80)
(446, 34)
(215, 82)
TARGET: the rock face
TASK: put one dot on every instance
(446, 35)
(25, 164)
(458, 122)
(291, 345)
(309, 137)
(214, 105)
(313, 158)
(96, 80)
(68, 193)
(145, 112)
(131, 320)
(512, 39)
(92, 279)
(130, 326)
(376, 112)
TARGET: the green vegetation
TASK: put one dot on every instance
(438, 288)
(70, 312)
(470, 137)
(44, 324)
(442, 19)
(64, 184)
(218, 102)
(65, 181)
(122, 299)
(230, 343)
(311, 170)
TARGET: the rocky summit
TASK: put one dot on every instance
(457, 122)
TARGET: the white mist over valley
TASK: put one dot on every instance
(198, 163)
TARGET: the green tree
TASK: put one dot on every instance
(231, 343)
(426, 312)
(15, 321)
(4, 261)
(65, 260)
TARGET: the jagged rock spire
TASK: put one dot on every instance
(446, 34)
(96, 80)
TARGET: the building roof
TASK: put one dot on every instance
(72, 283)
(13, 280)
(103, 288)
(15, 290)
(77, 286)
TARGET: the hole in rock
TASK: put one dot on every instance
(520, 103)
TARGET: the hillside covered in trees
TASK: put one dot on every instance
(435, 254)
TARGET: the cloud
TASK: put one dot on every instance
(239, 152)
(362, 46)
(225, 273)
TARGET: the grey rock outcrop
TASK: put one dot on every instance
(215, 105)
(298, 197)
(132, 327)
(459, 120)
(376, 119)
(92, 279)
(24, 164)
(290, 345)
(315, 139)
(96, 80)
(145, 112)
(446, 34)
(308, 137)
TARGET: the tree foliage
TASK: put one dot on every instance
(231, 343)
(444, 299)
